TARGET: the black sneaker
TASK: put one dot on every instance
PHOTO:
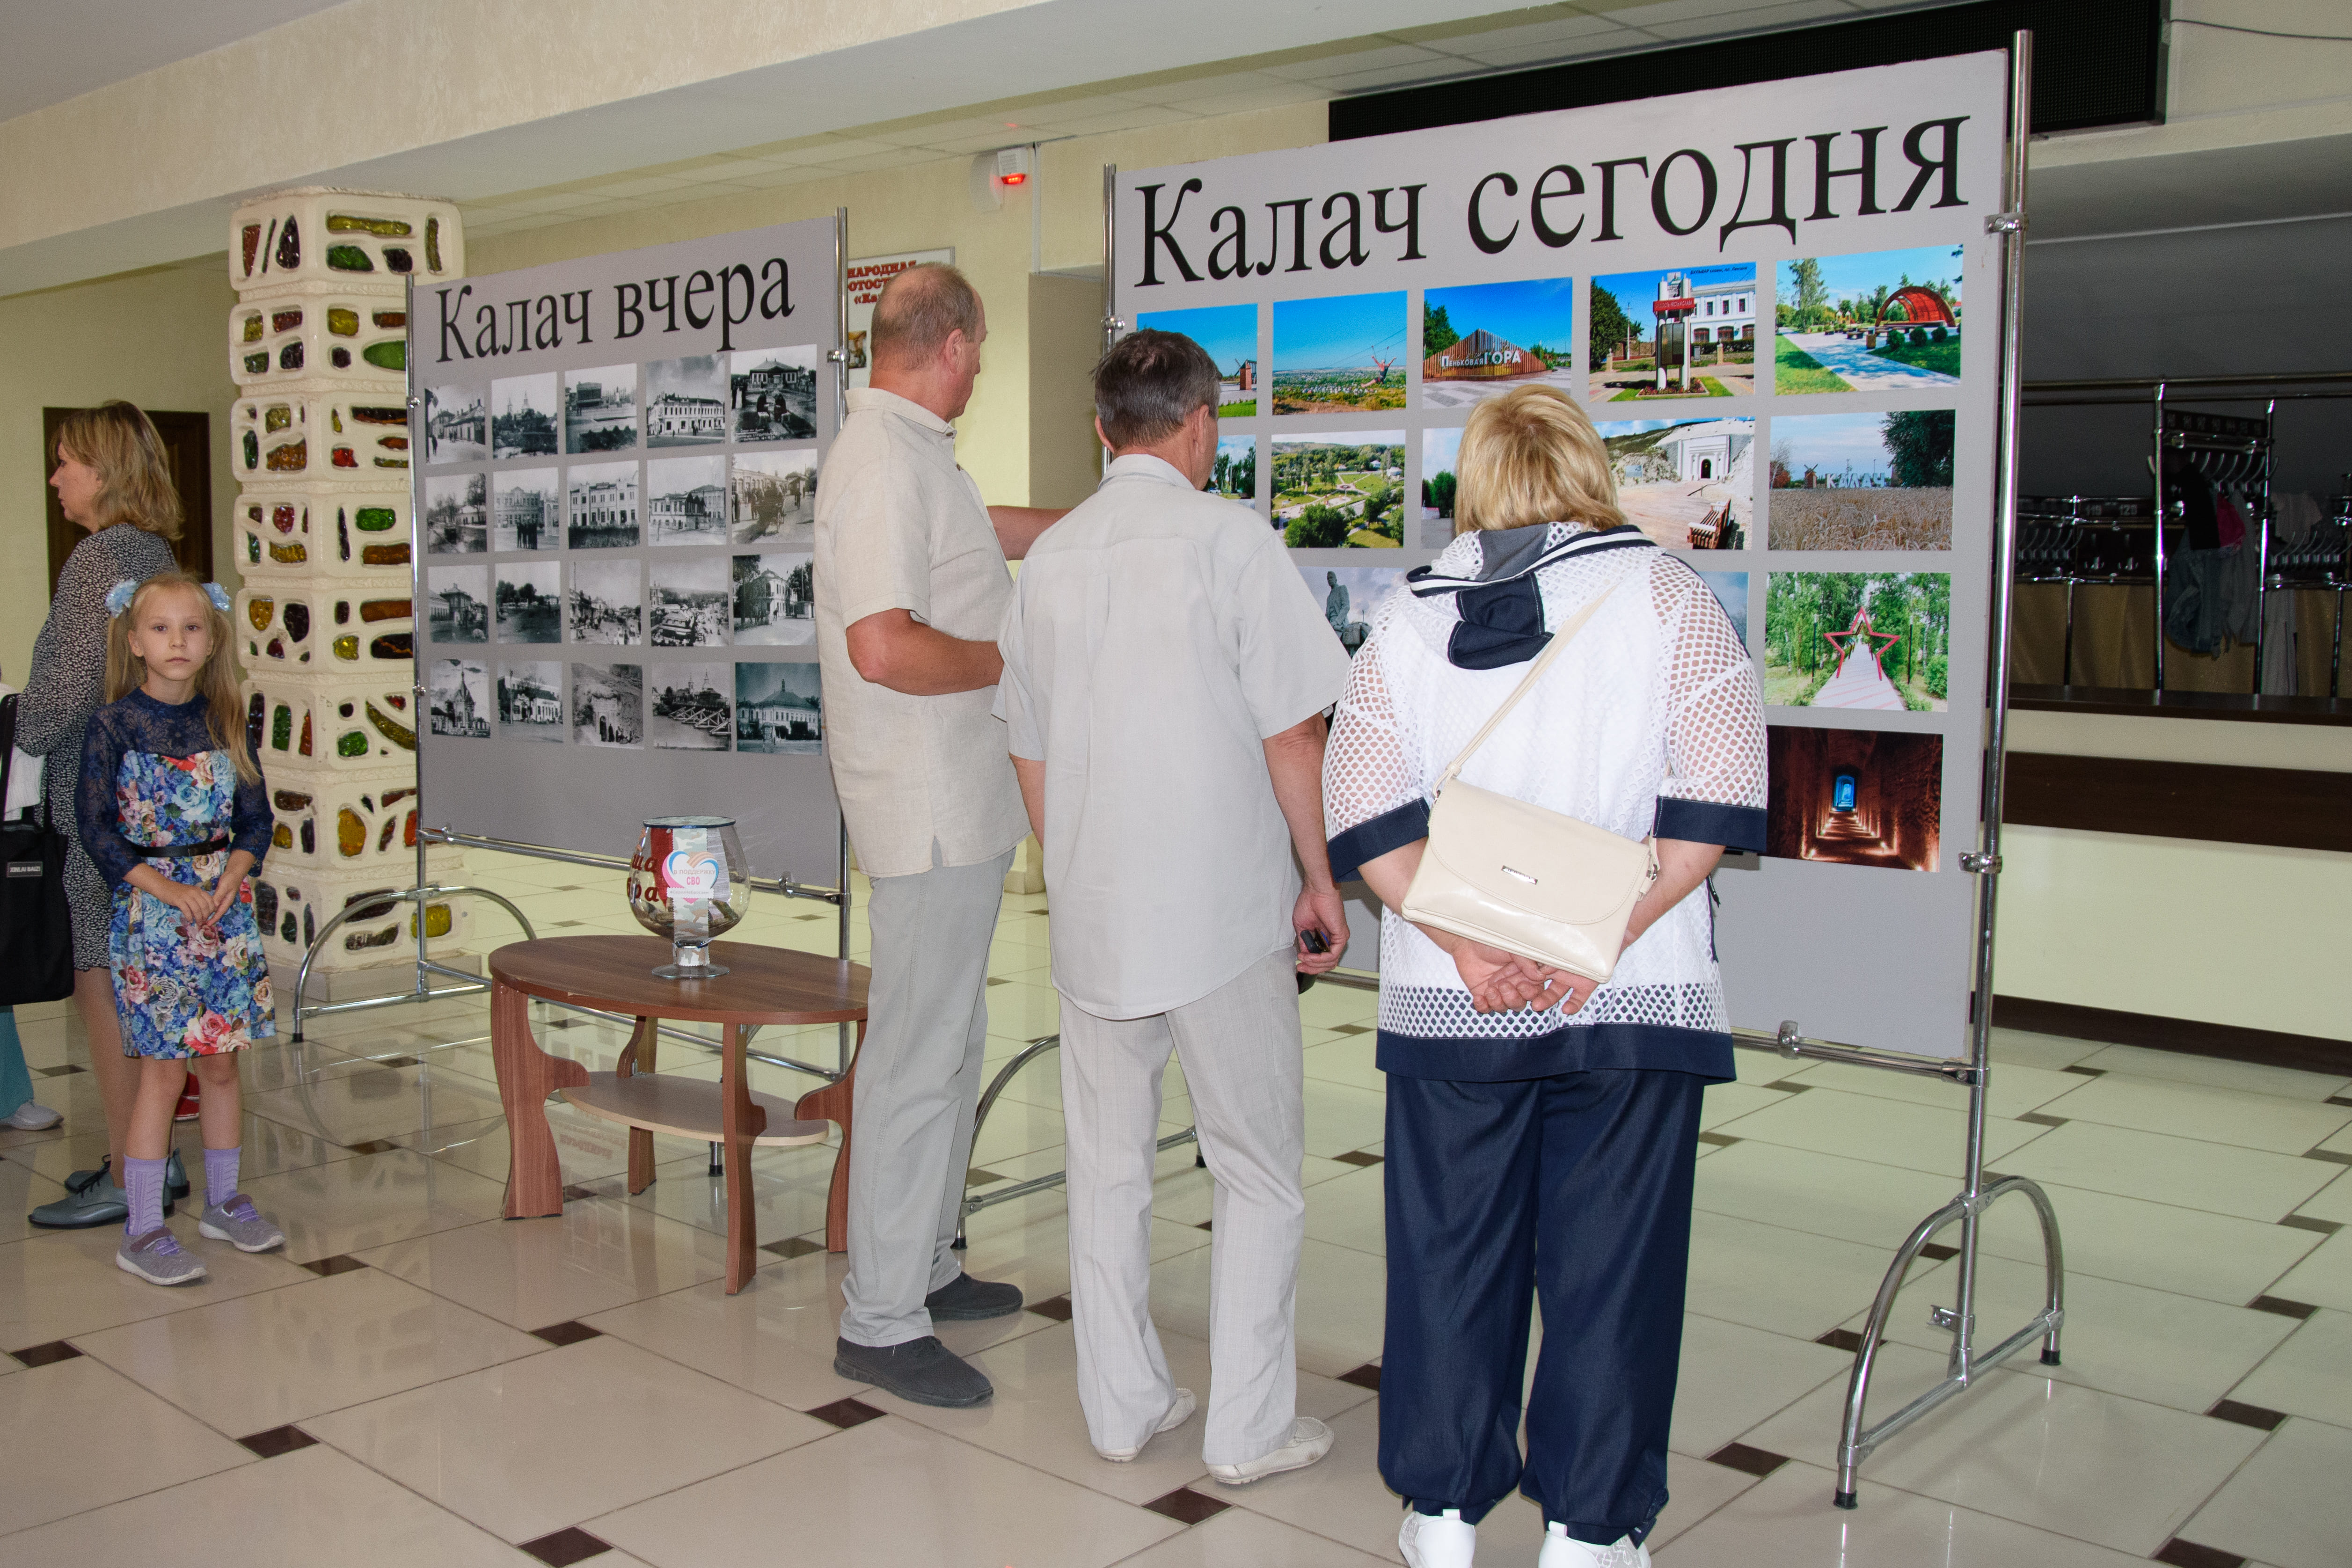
(920, 1370)
(964, 1299)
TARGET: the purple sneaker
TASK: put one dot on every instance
(158, 1259)
(238, 1223)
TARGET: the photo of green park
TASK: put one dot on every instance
(1340, 490)
(1885, 321)
(1858, 640)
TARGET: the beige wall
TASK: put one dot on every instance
(158, 338)
(928, 206)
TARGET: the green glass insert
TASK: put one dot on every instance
(278, 416)
(253, 548)
(281, 728)
(373, 519)
(253, 439)
(391, 356)
(352, 743)
(348, 258)
(258, 364)
(253, 328)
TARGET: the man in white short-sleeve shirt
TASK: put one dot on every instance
(1166, 672)
(910, 587)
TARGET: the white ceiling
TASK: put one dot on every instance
(1523, 37)
(58, 50)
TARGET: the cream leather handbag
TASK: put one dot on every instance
(1533, 881)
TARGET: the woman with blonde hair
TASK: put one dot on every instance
(1542, 1129)
(111, 479)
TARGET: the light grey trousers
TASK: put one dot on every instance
(1244, 1065)
(917, 1081)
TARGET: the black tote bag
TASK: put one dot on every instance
(36, 926)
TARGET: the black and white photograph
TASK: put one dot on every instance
(528, 599)
(772, 394)
(458, 699)
(775, 599)
(686, 402)
(688, 606)
(779, 708)
(686, 500)
(525, 510)
(608, 706)
(453, 425)
(457, 522)
(522, 417)
(772, 499)
(460, 601)
(601, 506)
(530, 701)
(687, 707)
(600, 409)
(607, 603)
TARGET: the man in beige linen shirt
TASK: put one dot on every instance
(1165, 675)
(911, 584)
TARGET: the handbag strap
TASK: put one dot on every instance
(1560, 639)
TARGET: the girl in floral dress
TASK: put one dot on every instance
(174, 814)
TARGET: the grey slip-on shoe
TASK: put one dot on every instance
(922, 1371)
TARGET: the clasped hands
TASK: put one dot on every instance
(1502, 982)
(198, 905)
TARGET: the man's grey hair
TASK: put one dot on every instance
(920, 308)
(1149, 383)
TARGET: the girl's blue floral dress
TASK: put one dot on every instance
(151, 779)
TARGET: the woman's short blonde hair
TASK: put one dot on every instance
(1531, 456)
(118, 441)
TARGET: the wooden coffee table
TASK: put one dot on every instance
(764, 986)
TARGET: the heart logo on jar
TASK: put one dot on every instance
(694, 873)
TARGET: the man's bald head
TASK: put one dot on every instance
(919, 310)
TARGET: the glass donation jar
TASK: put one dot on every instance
(688, 883)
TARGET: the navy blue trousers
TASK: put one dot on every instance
(1575, 1188)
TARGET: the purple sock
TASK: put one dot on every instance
(143, 1180)
(220, 1174)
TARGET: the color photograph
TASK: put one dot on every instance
(1862, 481)
(1235, 474)
(779, 708)
(1677, 332)
(771, 393)
(1687, 484)
(1343, 354)
(601, 506)
(686, 500)
(1854, 797)
(1885, 321)
(1440, 449)
(458, 699)
(772, 499)
(456, 520)
(525, 510)
(1340, 490)
(686, 402)
(688, 606)
(775, 599)
(600, 409)
(1229, 334)
(607, 603)
(687, 707)
(453, 425)
(1350, 596)
(530, 602)
(530, 702)
(522, 417)
(1879, 640)
(1488, 338)
(459, 597)
(608, 704)
(1730, 591)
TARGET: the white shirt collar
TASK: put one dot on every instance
(881, 402)
(1143, 465)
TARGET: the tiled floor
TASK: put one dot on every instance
(416, 1380)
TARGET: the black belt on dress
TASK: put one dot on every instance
(182, 851)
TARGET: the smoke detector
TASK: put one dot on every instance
(993, 172)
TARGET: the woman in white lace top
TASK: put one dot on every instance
(1541, 1131)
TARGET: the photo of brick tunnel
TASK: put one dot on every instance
(1855, 797)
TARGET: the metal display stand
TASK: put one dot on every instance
(426, 890)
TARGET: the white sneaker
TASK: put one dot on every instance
(31, 1118)
(1309, 1442)
(1559, 1552)
(1437, 1540)
(1177, 1413)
